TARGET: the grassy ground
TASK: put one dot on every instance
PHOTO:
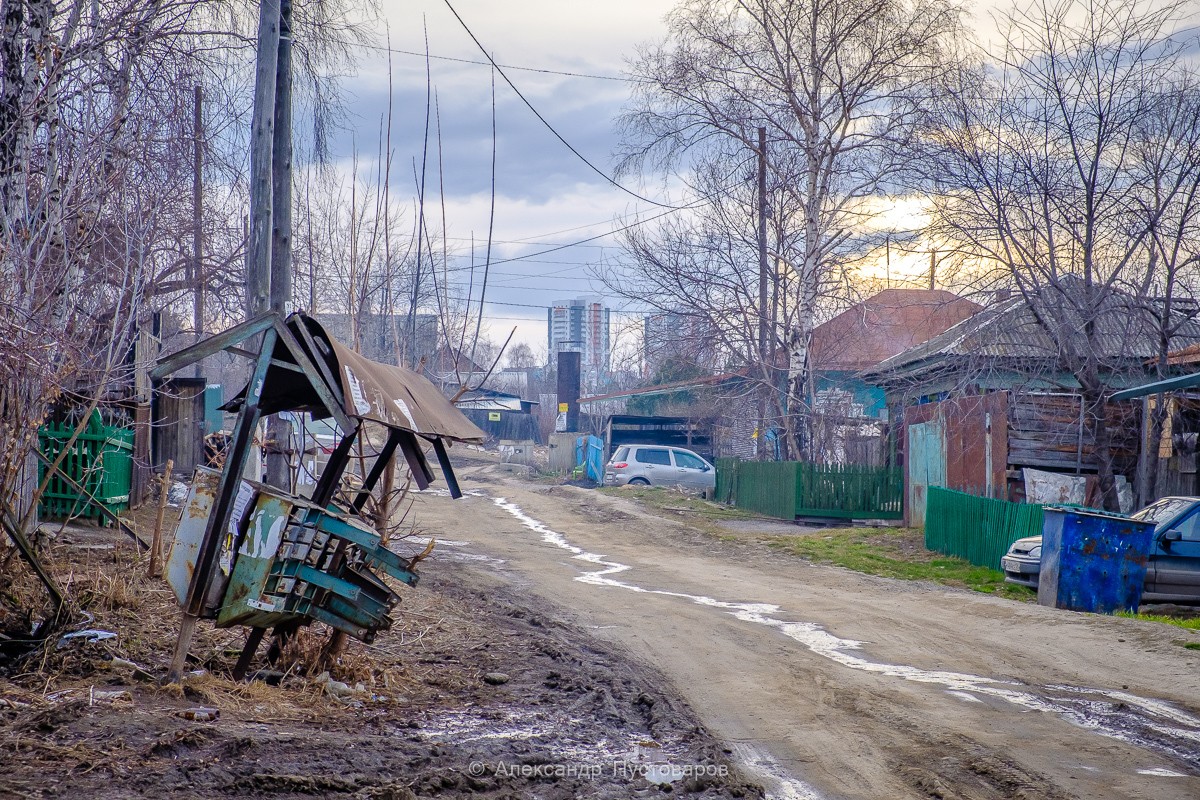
(1191, 623)
(896, 553)
(888, 552)
(672, 500)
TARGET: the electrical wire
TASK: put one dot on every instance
(546, 122)
(622, 79)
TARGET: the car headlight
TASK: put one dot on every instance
(1036, 552)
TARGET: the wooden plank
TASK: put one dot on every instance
(214, 344)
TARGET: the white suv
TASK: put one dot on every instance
(657, 465)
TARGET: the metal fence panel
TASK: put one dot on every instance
(788, 489)
(768, 487)
(978, 529)
(850, 491)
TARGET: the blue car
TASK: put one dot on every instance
(1173, 575)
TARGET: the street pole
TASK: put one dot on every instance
(258, 282)
(763, 354)
(279, 432)
(262, 146)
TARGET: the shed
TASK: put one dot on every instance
(179, 417)
(500, 415)
(672, 431)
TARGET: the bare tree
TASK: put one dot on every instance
(1067, 167)
(87, 170)
(836, 84)
(521, 356)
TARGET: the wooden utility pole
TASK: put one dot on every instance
(763, 350)
(197, 222)
(258, 284)
(262, 146)
(762, 244)
(279, 431)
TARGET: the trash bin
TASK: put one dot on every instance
(1092, 561)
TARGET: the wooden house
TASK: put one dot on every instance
(850, 412)
(993, 394)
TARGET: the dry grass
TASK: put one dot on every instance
(109, 591)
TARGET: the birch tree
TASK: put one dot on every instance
(836, 83)
(85, 187)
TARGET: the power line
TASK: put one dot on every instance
(384, 48)
(546, 122)
(634, 224)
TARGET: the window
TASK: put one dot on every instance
(653, 455)
(1189, 527)
(687, 460)
(622, 454)
(1163, 511)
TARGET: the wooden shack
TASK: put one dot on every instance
(989, 397)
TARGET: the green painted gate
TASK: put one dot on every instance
(926, 454)
(100, 459)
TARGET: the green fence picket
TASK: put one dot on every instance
(100, 460)
(788, 489)
(977, 529)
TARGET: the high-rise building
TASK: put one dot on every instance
(581, 324)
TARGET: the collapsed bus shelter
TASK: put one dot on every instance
(248, 554)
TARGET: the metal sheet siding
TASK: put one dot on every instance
(926, 466)
(974, 446)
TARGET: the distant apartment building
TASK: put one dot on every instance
(582, 325)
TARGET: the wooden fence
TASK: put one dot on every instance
(977, 529)
(790, 489)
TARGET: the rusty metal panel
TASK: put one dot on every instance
(976, 442)
(193, 519)
(245, 602)
(1093, 561)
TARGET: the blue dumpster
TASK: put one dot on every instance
(1092, 561)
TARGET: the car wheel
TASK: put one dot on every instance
(639, 482)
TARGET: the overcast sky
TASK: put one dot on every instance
(546, 196)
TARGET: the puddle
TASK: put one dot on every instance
(1119, 715)
(779, 785)
(561, 739)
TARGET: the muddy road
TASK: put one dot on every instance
(476, 692)
(825, 683)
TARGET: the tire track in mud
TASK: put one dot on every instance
(1148, 723)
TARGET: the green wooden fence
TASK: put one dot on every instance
(977, 529)
(788, 489)
(849, 491)
(100, 460)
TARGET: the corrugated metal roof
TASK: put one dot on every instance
(1052, 323)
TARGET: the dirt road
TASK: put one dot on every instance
(831, 684)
